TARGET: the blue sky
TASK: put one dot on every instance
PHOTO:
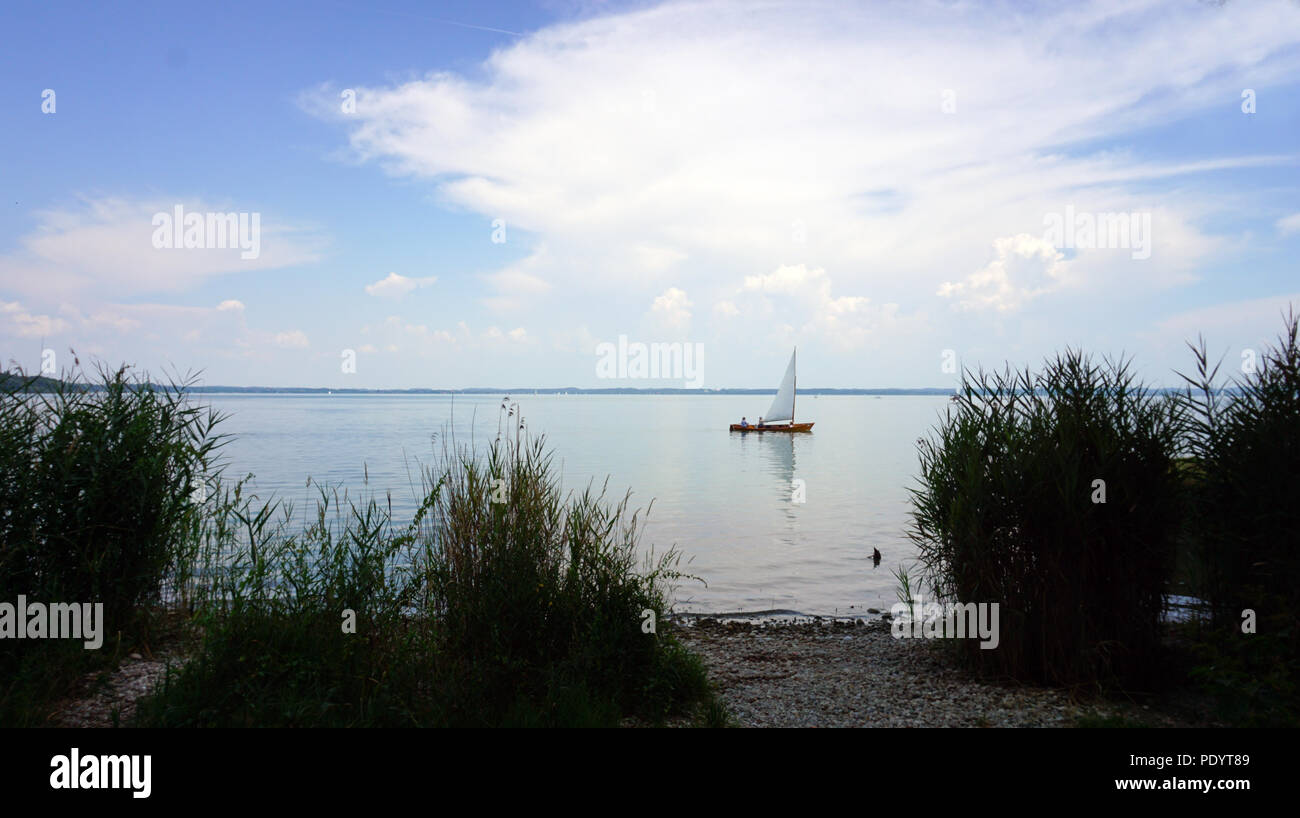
(871, 182)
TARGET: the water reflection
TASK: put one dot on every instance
(777, 455)
(729, 502)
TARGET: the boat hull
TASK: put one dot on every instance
(789, 427)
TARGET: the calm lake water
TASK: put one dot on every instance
(725, 500)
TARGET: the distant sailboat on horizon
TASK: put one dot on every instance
(780, 415)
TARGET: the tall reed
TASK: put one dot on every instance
(506, 600)
(535, 588)
(1244, 444)
(1054, 494)
(98, 487)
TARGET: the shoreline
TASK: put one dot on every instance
(770, 668)
(835, 673)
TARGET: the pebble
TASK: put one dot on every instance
(125, 686)
(799, 675)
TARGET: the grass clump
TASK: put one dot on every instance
(538, 595)
(505, 602)
(1244, 440)
(97, 505)
(1055, 495)
(298, 626)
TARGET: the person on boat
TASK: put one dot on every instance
(760, 423)
(744, 423)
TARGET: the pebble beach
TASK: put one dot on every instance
(854, 673)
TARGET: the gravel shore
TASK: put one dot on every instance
(836, 673)
(110, 697)
(769, 673)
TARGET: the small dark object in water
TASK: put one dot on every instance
(875, 556)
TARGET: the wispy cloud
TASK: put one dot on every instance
(680, 140)
(105, 246)
(396, 286)
(1289, 224)
(17, 321)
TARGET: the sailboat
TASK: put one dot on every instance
(780, 415)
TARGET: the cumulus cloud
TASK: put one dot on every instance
(801, 300)
(518, 335)
(674, 140)
(1023, 268)
(672, 310)
(748, 154)
(396, 286)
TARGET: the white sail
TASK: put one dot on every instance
(782, 409)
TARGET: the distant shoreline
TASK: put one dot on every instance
(316, 390)
(39, 383)
(43, 384)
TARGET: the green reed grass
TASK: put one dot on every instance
(505, 601)
(1243, 477)
(1004, 514)
(97, 486)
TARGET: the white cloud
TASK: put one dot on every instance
(1289, 224)
(109, 317)
(800, 300)
(104, 247)
(1260, 319)
(150, 333)
(672, 309)
(792, 279)
(656, 259)
(675, 140)
(420, 338)
(293, 339)
(17, 321)
(1023, 268)
(520, 284)
(396, 286)
(517, 335)
(579, 340)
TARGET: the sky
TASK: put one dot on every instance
(472, 194)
